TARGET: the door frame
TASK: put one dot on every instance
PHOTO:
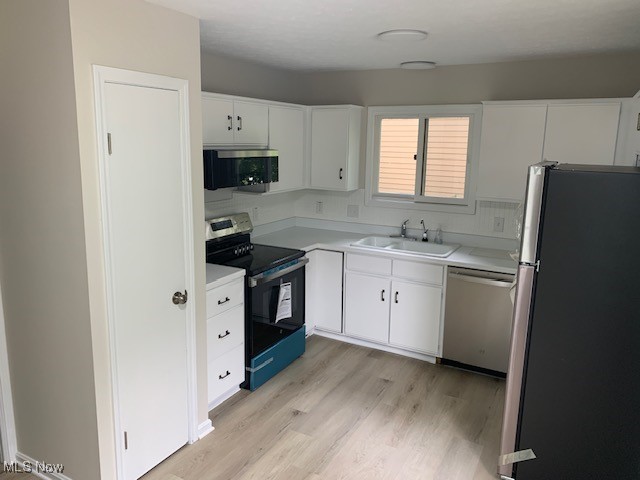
(8, 441)
(102, 76)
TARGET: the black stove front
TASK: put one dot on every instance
(274, 300)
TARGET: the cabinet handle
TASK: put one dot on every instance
(226, 332)
(382, 295)
(396, 297)
(239, 123)
(220, 377)
(230, 120)
(222, 302)
(340, 174)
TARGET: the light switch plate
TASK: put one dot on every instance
(498, 224)
(353, 211)
(319, 207)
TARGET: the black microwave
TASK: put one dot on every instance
(252, 170)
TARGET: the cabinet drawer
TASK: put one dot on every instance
(224, 332)
(226, 372)
(225, 297)
(369, 264)
(420, 272)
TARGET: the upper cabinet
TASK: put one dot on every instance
(234, 122)
(516, 135)
(512, 139)
(286, 134)
(335, 147)
(582, 133)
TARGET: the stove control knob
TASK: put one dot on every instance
(235, 252)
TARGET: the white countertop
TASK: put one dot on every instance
(312, 238)
(219, 275)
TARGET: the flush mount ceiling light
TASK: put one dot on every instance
(418, 65)
(402, 35)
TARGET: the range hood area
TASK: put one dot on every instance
(247, 169)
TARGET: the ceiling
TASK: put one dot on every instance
(340, 34)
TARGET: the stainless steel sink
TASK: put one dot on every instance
(406, 246)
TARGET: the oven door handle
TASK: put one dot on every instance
(262, 278)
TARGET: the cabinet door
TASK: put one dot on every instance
(415, 317)
(367, 307)
(512, 139)
(329, 148)
(286, 134)
(582, 133)
(251, 123)
(217, 121)
(324, 291)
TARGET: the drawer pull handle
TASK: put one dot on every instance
(226, 332)
(222, 302)
(382, 295)
(220, 377)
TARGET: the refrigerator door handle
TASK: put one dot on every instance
(533, 209)
(521, 315)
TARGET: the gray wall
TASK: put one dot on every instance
(578, 77)
(232, 76)
(611, 75)
(43, 267)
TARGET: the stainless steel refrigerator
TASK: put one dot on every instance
(572, 408)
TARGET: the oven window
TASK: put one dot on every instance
(264, 309)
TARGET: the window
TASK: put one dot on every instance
(422, 155)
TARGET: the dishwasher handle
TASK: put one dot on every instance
(494, 282)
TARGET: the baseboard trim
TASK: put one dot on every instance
(385, 348)
(225, 396)
(23, 459)
(205, 428)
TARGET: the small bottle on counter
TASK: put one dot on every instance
(438, 237)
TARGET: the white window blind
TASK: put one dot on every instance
(398, 147)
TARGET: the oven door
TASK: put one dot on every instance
(276, 305)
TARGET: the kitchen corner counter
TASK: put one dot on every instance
(313, 238)
(219, 275)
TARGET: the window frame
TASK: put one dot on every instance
(458, 205)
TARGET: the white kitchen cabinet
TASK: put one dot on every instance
(335, 147)
(512, 139)
(225, 340)
(286, 134)
(323, 286)
(415, 317)
(582, 133)
(366, 307)
(217, 121)
(400, 306)
(226, 121)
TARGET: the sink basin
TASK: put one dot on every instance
(425, 248)
(407, 246)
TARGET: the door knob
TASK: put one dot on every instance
(179, 298)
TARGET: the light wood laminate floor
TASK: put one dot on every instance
(347, 412)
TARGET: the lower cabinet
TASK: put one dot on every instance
(225, 340)
(323, 285)
(367, 307)
(415, 316)
(400, 310)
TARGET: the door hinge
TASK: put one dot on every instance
(109, 143)
(126, 441)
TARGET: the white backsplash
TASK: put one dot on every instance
(272, 208)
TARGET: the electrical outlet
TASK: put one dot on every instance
(353, 211)
(319, 208)
(256, 214)
(498, 224)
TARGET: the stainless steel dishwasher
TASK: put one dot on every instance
(477, 324)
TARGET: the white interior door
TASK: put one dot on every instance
(146, 257)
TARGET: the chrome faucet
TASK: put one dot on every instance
(425, 238)
(403, 229)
